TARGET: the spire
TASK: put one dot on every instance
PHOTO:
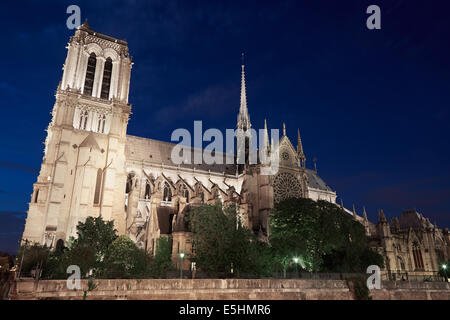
(381, 216)
(284, 129)
(365, 214)
(355, 215)
(85, 25)
(243, 121)
(266, 144)
(301, 155)
(342, 204)
(299, 143)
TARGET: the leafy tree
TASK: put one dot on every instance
(162, 262)
(86, 251)
(123, 259)
(97, 234)
(221, 243)
(321, 235)
(34, 256)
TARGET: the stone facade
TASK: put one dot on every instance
(91, 167)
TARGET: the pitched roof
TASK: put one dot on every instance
(143, 149)
(316, 182)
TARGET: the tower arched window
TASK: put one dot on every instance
(98, 185)
(147, 191)
(36, 196)
(167, 194)
(129, 185)
(83, 120)
(101, 123)
(417, 255)
(106, 83)
(90, 74)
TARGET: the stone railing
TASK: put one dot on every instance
(227, 289)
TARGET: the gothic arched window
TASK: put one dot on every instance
(186, 195)
(101, 123)
(129, 185)
(90, 74)
(167, 194)
(417, 255)
(106, 83)
(83, 120)
(147, 191)
(98, 184)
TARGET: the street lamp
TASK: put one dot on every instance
(444, 266)
(181, 264)
(296, 264)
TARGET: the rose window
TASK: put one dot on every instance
(285, 186)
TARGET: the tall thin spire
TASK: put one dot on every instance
(284, 128)
(243, 121)
(266, 143)
(300, 153)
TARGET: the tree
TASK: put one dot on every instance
(97, 234)
(34, 256)
(321, 235)
(162, 261)
(220, 241)
(86, 251)
(123, 259)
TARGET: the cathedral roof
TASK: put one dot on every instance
(150, 150)
(316, 182)
(413, 219)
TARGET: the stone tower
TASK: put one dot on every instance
(83, 168)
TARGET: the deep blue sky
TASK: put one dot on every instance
(372, 106)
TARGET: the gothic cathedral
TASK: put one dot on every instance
(91, 167)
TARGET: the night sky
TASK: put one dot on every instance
(372, 105)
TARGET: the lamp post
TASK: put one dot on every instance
(444, 266)
(181, 264)
(296, 265)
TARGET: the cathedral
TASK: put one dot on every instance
(91, 167)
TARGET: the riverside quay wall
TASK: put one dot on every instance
(226, 289)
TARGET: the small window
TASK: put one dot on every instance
(36, 196)
(90, 74)
(101, 123)
(98, 184)
(84, 115)
(167, 194)
(147, 191)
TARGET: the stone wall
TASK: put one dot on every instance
(228, 289)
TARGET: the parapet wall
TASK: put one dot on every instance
(228, 289)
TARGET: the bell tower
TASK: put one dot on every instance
(83, 168)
